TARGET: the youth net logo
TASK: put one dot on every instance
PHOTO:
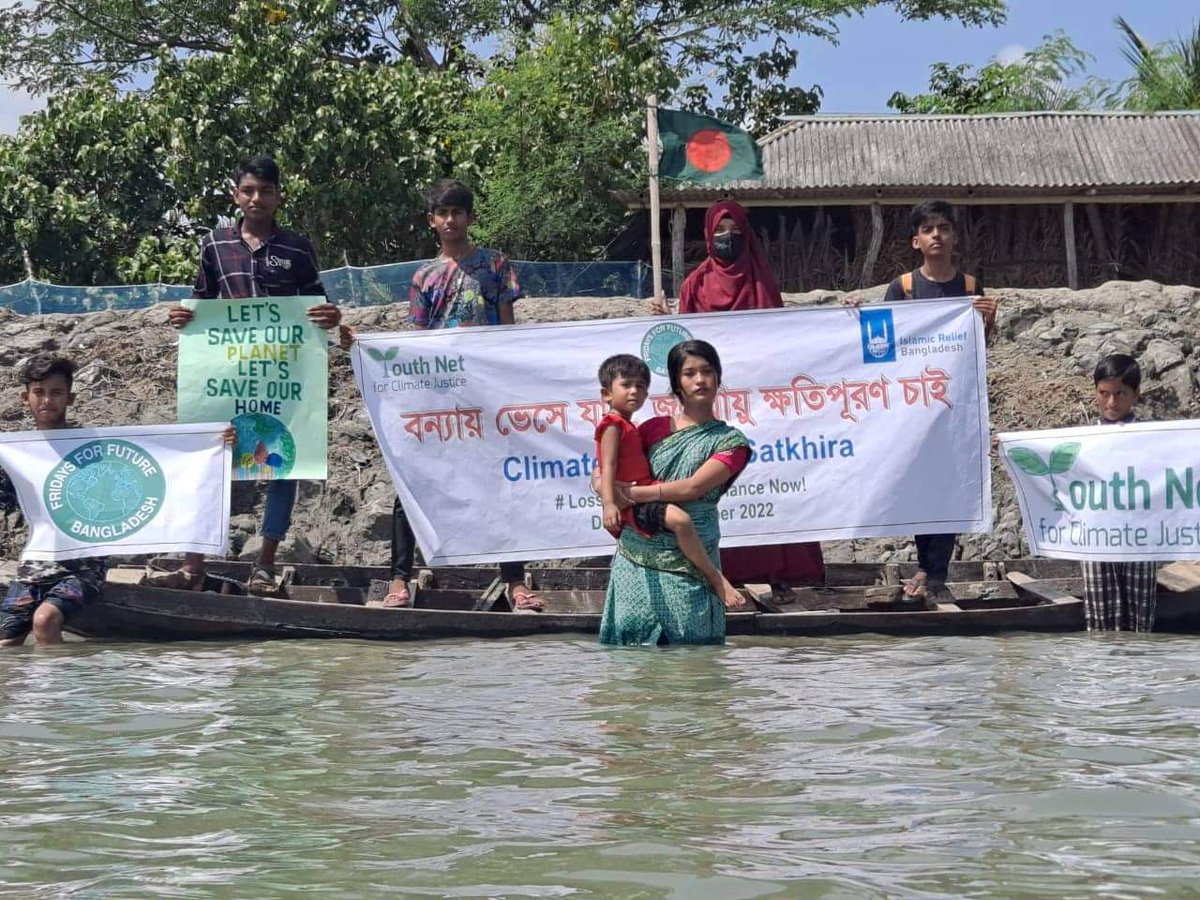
(878, 335)
(103, 491)
(659, 341)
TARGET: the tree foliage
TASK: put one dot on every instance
(1039, 80)
(538, 103)
(1166, 76)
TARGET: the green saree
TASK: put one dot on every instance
(654, 594)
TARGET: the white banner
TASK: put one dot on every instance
(863, 423)
(139, 489)
(1108, 492)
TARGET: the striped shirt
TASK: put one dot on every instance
(284, 265)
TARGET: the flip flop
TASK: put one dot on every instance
(524, 600)
(397, 600)
(916, 587)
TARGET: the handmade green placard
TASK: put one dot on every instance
(262, 365)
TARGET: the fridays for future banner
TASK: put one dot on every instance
(262, 365)
(136, 489)
(863, 423)
(1109, 492)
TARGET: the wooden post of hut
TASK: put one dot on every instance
(1069, 240)
(678, 230)
(873, 248)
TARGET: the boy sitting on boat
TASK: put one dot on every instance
(45, 594)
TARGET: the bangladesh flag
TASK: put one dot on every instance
(701, 149)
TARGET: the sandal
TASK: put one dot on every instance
(262, 581)
(523, 600)
(399, 599)
(179, 580)
(916, 587)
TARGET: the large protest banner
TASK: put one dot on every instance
(1108, 492)
(863, 423)
(136, 489)
(262, 365)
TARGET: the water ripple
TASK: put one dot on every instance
(936, 767)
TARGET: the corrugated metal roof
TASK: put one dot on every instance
(989, 155)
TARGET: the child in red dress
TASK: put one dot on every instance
(624, 385)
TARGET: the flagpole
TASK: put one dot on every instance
(655, 236)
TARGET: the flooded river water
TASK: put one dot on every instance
(855, 767)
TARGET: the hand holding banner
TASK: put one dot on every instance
(1108, 492)
(262, 365)
(139, 489)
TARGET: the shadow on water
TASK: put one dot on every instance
(854, 767)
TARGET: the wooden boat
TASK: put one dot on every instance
(336, 602)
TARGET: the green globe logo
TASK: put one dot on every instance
(104, 490)
(659, 341)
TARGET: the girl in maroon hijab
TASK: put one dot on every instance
(737, 275)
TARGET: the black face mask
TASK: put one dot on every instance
(727, 246)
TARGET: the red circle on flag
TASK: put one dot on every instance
(708, 150)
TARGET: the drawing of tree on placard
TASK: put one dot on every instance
(1062, 458)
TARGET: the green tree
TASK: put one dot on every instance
(1038, 80)
(1166, 76)
(81, 189)
(538, 103)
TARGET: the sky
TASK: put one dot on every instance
(878, 54)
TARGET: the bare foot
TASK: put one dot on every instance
(733, 598)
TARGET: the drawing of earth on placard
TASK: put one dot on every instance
(265, 449)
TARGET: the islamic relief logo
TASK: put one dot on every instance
(658, 343)
(878, 335)
(104, 491)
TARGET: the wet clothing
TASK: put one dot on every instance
(69, 584)
(654, 594)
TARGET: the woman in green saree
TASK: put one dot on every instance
(654, 594)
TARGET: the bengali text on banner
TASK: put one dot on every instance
(136, 489)
(863, 422)
(262, 365)
(1108, 492)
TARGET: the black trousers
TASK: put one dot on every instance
(933, 554)
(404, 546)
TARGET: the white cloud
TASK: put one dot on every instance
(15, 103)
(1011, 53)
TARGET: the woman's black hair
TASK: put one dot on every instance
(682, 351)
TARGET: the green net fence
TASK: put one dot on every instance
(347, 286)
